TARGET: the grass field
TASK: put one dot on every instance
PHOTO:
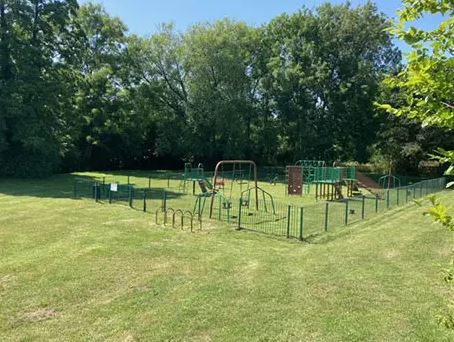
(77, 270)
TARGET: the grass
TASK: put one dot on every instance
(77, 270)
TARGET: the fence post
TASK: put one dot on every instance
(363, 205)
(326, 216)
(346, 212)
(130, 195)
(95, 192)
(301, 223)
(398, 196)
(164, 200)
(220, 208)
(168, 181)
(145, 200)
(128, 179)
(376, 203)
(406, 194)
(239, 216)
(387, 199)
(110, 196)
(149, 182)
(289, 209)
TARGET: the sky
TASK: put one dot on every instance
(144, 16)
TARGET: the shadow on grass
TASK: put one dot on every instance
(63, 185)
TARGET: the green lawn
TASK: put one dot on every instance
(76, 270)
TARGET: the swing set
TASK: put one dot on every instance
(237, 175)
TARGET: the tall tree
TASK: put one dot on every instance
(32, 59)
(427, 80)
(322, 76)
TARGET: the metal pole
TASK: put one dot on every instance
(326, 216)
(346, 212)
(145, 201)
(289, 208)
(220, 209)
(301, 223)
(363, 206)
(164, 200)
(239, 216)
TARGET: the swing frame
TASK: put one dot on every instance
(216, 174)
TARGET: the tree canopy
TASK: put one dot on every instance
(77, 91)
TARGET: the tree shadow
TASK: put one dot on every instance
(78, 186)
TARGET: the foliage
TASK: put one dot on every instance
(425, 84)
(96, 97)
(33, 91)
(439, 212)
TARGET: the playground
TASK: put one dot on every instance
(83, 270)
(298, 201)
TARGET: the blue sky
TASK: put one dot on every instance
(144, 16)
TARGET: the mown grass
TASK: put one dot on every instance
(77, 270)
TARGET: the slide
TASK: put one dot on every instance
(208, 183)
(205, 186)
(368, 183)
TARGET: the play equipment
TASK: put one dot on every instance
(295, 180)
(301, 176)
(368, 183)
(246, 200)
(309, 167)
(388, 181)
(351, 181)
(208, 191)
(237, 176)
(328, 183)
(192, 174)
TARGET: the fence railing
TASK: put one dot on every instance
(269, 217)
(302, 222)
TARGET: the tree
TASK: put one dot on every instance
(104, 136)
(426, 83)
(321, 77)
(32, 65)
(218, 66)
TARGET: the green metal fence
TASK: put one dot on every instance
(302, 222)
(268, 217)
